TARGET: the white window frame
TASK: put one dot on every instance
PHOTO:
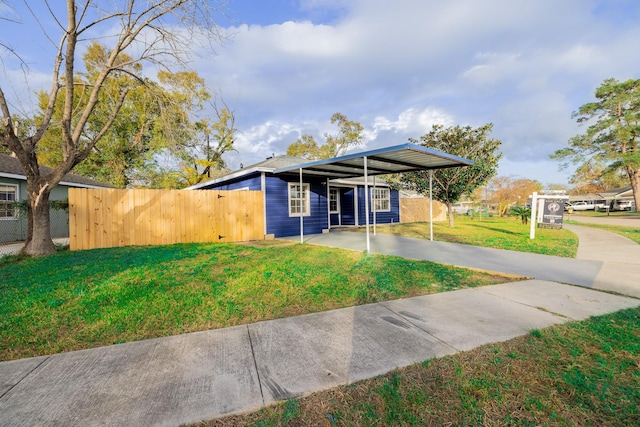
(337, 200)
(305, 201)
(17, 199)
(381, 196)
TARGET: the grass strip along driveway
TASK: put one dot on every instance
(77, 300)
(577, 374)
(499, 233)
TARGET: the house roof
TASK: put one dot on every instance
(268, 165)
(389, 160)
(616, 192)
(10, 167)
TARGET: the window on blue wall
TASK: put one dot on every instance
(381, 200)
(8, 195)
(333, 200)
(298, 199)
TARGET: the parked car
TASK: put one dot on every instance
(624, 205)
(568, 207)
(582, 206)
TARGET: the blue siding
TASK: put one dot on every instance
(279, 223)
(393, 216)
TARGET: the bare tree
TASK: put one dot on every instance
(139, 31)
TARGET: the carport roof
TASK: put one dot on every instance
(389, 160)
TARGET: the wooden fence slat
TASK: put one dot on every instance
(111, 217)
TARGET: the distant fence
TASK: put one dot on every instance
(417, 210)
(103, 218)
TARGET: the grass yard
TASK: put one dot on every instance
(76, 300)
(577, 374)
(501, 233)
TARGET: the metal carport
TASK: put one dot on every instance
(389, 160)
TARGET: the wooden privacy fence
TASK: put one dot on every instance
(103, 218)
(417, 210)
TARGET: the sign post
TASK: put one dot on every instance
(546, 211)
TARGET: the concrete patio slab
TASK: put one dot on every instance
(313, 352)
(470, 318)
(166, 381)
(573, 302)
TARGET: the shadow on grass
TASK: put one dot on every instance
(499, 230)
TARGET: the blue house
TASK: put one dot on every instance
(303, 197)
(323, 202)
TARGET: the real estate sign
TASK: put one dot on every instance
(550, 213)
(546, 211)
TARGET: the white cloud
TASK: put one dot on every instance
(398, 67)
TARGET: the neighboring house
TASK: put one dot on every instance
(323, 203)
(13, 187)
(609, 198)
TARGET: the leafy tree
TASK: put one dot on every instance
(155, 116)
(138, 32)
(203, 159)
(449, 185)
(610, 143)
(349, 135)
(506, 192)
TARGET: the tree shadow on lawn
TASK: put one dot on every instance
(499, 230)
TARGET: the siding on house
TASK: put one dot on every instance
(279, 223)
(250, 182)
(392, 216)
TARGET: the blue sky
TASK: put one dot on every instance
(398, 67)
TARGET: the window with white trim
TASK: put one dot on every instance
(381, 199)
(298, 199)
(8, 195)
(334, 193)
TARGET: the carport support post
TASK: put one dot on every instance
(431, 204)
(373, 205)
(366, 203)
(302, 206)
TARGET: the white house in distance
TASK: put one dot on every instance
(13, 188)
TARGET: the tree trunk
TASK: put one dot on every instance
(39, 225)
(634, 177)
(450, 210)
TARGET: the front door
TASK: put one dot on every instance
(347, 209)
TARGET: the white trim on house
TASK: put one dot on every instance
(305, 199)
(65, 183)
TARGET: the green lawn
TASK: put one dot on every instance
(76, 300)
(576, 374)
(501, 233)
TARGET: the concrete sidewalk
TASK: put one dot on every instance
(620, 257)
(199, 376)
